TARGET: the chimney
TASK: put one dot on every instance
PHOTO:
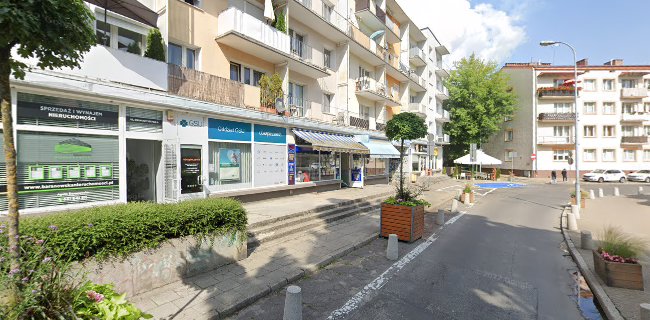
(583, 63)
(614, 62)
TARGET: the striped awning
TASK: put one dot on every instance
(331, 142)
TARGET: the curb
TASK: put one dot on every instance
(609, 308)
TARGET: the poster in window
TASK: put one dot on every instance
(36, 173)
(74, 172)
(229, 164)
(90, 172)
(106, 171)
(56, 172)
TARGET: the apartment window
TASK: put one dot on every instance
(235, 72)
(508, 135)
(608, 85)
(590, 85)
(245, 74)
(561, 131)
(190, 58)
(608, 108)
(646, 83)
(646, 107)
(365, 112)
(129, 41)
(297, 43)
(590, 107)
(327, 103)
(103, 32)
(296, 98)
(257, 76)
(559, 82)
(609, 155)
(646, 130)
(629, 108)
(589, 155)
(646, 155)
(327, 11)
(175, 54)
(628, 83)
(196, 3)
(629, 155)
(560, 155)
(609, 131)
(589, 131)
(563, 107)
(327, 58)
(627, 131)
(509, 155)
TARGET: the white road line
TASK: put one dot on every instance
(373, 287)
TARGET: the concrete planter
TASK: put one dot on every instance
(583, 202)
(173, 261)
(471, 197)
(406, 222)
(620, 275)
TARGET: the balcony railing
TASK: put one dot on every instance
(392, 25)
(442, 139)
(565, 91)
(365, 41)
(205, 87)
(554, 140)
(635, 139)
(332, 16)
(234, 20)
(628, 93)
(374, 9)
(298, 107)
(635, 117)
(556, 116)
(380, 126)
(417, 52)
(417, 107)
(359, 123)
(445, 116)
(370, 84)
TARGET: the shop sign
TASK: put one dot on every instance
(270, 134)
(144, 120)
(190, 122)
(228, 130)
(36, 110)
(292, 164)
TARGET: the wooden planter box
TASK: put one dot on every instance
(620, 275)
(583, 202)
(406, 222)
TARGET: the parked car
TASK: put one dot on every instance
(641, 175)
(605, 175)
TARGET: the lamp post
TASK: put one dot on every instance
(577, 118)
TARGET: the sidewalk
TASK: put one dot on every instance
(632, 215)
(223, 291)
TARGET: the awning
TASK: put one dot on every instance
(331, 142)
(381, 149)
(481, 158)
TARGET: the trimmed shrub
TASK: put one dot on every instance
(119, 230)
(155, 46)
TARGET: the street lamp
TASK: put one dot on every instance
(577, 118)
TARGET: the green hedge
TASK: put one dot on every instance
(119, 230)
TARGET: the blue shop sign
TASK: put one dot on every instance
(270, 134)
(229, 130)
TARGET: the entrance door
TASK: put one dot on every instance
(191, 169)
(143, 161)
(345, 169)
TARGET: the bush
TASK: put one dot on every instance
(468, 188)
(498, 175)
(280, 22)
(617, 243)
(102, 302)
(155, 46)
(119, 230)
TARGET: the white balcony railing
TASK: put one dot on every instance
(442, 138)
(417, 52)
(234, 20)
(554, 140)
(635, 117)
(370, 84)
(417, 107)
(634, 92)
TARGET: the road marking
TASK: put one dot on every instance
(373, 287)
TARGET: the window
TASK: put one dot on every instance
(327, 103)
(646, 155)
(560, 155)
(628, 83)
(296, 96)
(589, 131)
(561, 131)
(590, 85)
(589, 155)
(627, 131)
(608, 108)
(646, 83)
(609, 131)
(646, 107)
(327, 58)
(257, 75)
(327, 11)
(376, 167)
(563, 107)
(365, 112)
(230, 165)
(314, 165)
(103, 32)
(629, 108)
(175, 54)
(590, 107)
(509, 135)
(629, 155)
(646, 130)
(195, 3)
(608, 84)
(245, 74)
(509, 155)
(609, 155)
(235, 71)
(297, 43)
(129, 41)
(559, 82)
(190, 58)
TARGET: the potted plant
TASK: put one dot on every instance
(403, 214)
(583, 198)
(616, 260)
(467, 192)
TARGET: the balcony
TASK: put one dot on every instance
(634, 93)
(367, 49)
(442, 139)
(442, 93)
(249, 34)
(440, 70)
(380, 126)
(359, 123)
(444, 116)
(635, 117)
(417, 56)
(419, 83)
(556, 93)
(375, 18)
(554, 140)
(417, 107)
(304, 11)
(634, 140)
(372, 90)
(557, 116)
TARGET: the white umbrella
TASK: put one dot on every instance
(268, 10)
(481, 159)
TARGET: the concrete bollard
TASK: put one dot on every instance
(293, 304)
(576, 211)
(645, 311)
(586, 242)
(600, 193)
(640, 190)
(571, 222)
(466, 199)
(392, 252)
(592, 196)
(440, 217)
(616, 192)
(454, 206)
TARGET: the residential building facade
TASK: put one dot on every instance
(614, 115)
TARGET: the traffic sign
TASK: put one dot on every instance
(533, 157)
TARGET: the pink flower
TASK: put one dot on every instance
(95, 296)
(40, 242)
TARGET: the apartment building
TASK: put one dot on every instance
(125, 127)
(613, 109)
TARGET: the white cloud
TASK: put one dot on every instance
(491, 33)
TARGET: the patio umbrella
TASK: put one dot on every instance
(268, 10)
(128, 8)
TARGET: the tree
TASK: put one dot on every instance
(56, 33)
(405, 126)
(155, 46)
(479, 100)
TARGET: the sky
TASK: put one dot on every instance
(510, 30)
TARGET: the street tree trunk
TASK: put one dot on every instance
(10, 158)
(401, 169)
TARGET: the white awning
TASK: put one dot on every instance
(331, 142)
(481, 158)
(381, 149)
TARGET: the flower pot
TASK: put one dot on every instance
(619, 275)
(583, 202)
(471, 197)
(404, 221)
(462, 197)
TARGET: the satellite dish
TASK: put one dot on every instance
(279, 105)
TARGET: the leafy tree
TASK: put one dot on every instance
(155, 46)
(405, 126)
(56, 33)
(271, 89)
(479, 100)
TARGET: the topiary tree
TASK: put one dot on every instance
(280, 22)
(405, 126)
(155, 46)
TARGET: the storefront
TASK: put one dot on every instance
(377, 163)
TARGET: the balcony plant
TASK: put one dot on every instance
(403, 214)
(616, 260)
(583, 199)
(280, 22)
(155, 47)
(270, 90)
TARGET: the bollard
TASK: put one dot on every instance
(293, 304)
(440, 217)
(645, 311)
(392, 252)
(616, 192)
(640, 190)
(454, 206)
(458, 193)
(571, 222)
(585, 240)
(592, 196)
(576, 211)
(466, 199)
(600, 193)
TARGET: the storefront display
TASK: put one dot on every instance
(229, 165)
(307, 164)
(270, 155)
(376, 167)
(291, 164)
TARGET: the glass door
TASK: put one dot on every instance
(191, 169)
